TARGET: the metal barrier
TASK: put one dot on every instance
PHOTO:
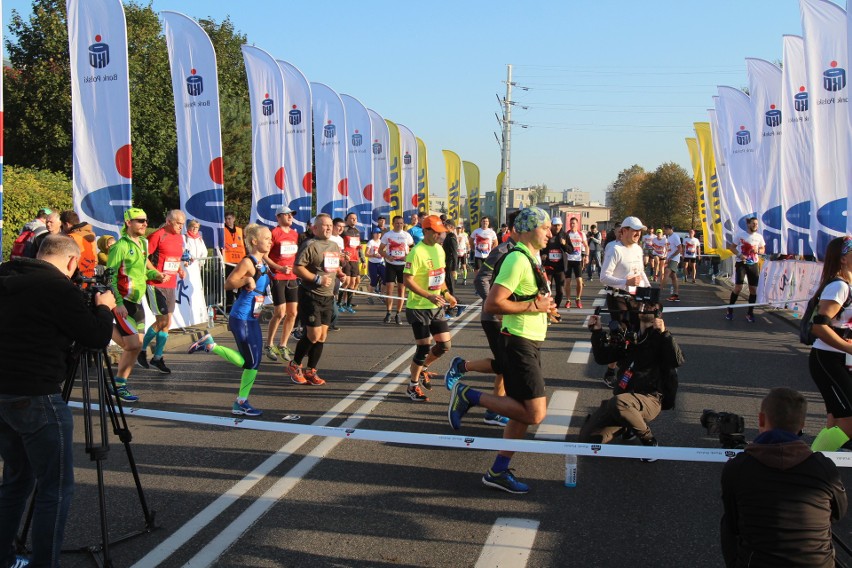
(213, 281)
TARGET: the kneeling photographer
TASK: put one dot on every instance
(647, 357)
(41, 314)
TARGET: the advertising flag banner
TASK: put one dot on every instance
(698, 178)
(826, 61)
(331, 157)
(764, 85)
(195, 85)
(452, 162)
(381, 171)
(714, 240)
(796, 167)
(298, 146)
(395, 168)
(408, 151)
(100, 112)
(737, 139)
(471, 183)
(360, 175)
(266, 98)
(499, 195)
(422, 179)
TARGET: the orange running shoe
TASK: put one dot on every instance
(312, 378)
(296, 374)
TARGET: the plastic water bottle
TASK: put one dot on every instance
(570, 470)
(211, 315)
(796, 311)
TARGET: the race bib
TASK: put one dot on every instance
(554, 255)
(288, 249)
(354, 242)
(436, 279)
(171, 264)
(331, 262)
(397, 250)
(257, 307)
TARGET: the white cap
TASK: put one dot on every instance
(556, 221)
(633, 223)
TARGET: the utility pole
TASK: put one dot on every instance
(506, 161)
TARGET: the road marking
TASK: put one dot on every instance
(580, 352)
(602, 291)
(599, 302)
(508, 544)
(558, 420)
(212, 552)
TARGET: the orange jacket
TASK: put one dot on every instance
(85, 238)
(235, 248)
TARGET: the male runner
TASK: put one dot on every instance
(482, 240)
(575, 261)
(691, 254)
(395, 247)
(674, 248)
(658, 255)
(352, 259)
(285, 287)
(463, 251)
(749, 245)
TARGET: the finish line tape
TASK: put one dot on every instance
(841, 459)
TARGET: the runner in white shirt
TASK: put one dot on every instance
(691, 254)
(482, 241)
(749, 245)
(658, 255)
(375, 262)
(645, 241)
(674, 248)
(574, 263)
(464, 251)
(394, 248)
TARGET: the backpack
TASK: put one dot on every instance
(540, 280)
(806, 327)
(24, 245)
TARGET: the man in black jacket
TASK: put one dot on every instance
(646, 378)
(41, 314)
(451, 252)
(780, 498)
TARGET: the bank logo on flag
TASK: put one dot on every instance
(329, 130)
(194, 84)
(743, 136)
(834, 79)
(406, 159)
(377, 147)
(98, 54)
(800, 99)
(295, 116)
(267, 106)
(773, 117)
(357, 139)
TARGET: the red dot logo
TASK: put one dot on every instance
(833, 63)
(414, 201)
(356, 131)
(280, 178)
(387, 195)
(295, 107)
(192, 71)
(98, 38)
(802, 89)
(124, 161)
(266, 95)
(368, 192)
(772, 107)
(742, 127)
(217, 170)
(329, 122)
(308, 182)
(343, 187)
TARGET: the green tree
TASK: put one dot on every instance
(623, 194)
(668, 196)
(537, 194)
(27, 190)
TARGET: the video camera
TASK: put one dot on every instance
(728, 425)
(95, 285)
(627, 330)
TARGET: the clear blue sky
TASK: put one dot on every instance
(611, 82)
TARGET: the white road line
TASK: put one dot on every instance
(508, 544)
(558, 420)
(602, 291)
(599, 302)
(580, 352)
(211, 553)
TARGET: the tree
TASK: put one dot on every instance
(623, 193)
(668, 196)
(26, 191)
(537, 194)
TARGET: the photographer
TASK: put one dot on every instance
(646, 383)
(41, 314)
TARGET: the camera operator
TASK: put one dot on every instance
(647, 362)
(41, 314)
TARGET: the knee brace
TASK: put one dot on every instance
(440, 348)
(420, 355)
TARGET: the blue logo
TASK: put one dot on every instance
(329, 130)
(406, 159)
(194, 84)
(743, 136)
(357, 139)
(98, 54)
(773, 117)
(267, 106)
(834, 79)
(295, 116)
(377, 148)
(800, 100)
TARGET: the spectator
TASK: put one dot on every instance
(193, 242)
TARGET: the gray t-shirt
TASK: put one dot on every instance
(320, 256)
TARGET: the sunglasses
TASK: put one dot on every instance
(140, 221)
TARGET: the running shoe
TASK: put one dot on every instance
(464, 282)
(609, 378)
(124, 395)
(285, 352)
(495, 419)
(447, 316)
(296, 374)
(459, 310)
(203, 344)
(387, 318)
(568, 304)
(505, 481)
(749, 318)
(673, 298)
(729, 315)
(458, 406)
(344, 308)
(455, 372)
(578, 303)
(20, 562)
(651, 443)
(142, 360)
(312, 378)
(351, 309)
(396, 320)
(426, 379)
(298, 333)
(416, 394)
(245, 409)
(334, 328)
(161, 366)
(271, 352)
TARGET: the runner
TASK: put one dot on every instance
(395, 247)
(482, 240)
(647, 249)
(425, 278)
(748, 248)
(463, 252)
(575, 262)
(251, 280)
(553, 258)
(674, 248)
(658, 255)
(375, 262)
(353, 257)
(691, 254)
(285, 287)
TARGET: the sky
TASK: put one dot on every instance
(600, 85)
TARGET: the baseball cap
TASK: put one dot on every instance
(633, 223)
(433, 222)
(134, 213)
(376, 230)
(530, 218)
(283, 210)
(659, 231)
(556, 221)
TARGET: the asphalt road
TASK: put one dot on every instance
(237, 497)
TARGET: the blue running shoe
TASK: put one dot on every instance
(124, 395)
(505, 481)
(206, 343)
(459, 310)
(495, 419)
(455, 373)
(245, 409)
(729, 315)
(20, 562)
(458, 406)
(749, 318)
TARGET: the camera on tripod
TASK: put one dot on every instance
(97, 284)
(644, 301)
(727, 425)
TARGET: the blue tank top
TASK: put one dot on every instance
(248, 304)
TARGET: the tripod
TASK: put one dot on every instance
(97, 442)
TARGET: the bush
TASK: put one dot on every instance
(27, 190)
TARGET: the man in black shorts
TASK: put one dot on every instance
(285, 286)
(353, 256)
(394, 248)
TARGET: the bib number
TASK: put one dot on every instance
(436, 279)
(331, 262)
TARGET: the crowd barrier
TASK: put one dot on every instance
(213, 281)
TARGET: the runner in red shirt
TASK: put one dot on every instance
(285, 287)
